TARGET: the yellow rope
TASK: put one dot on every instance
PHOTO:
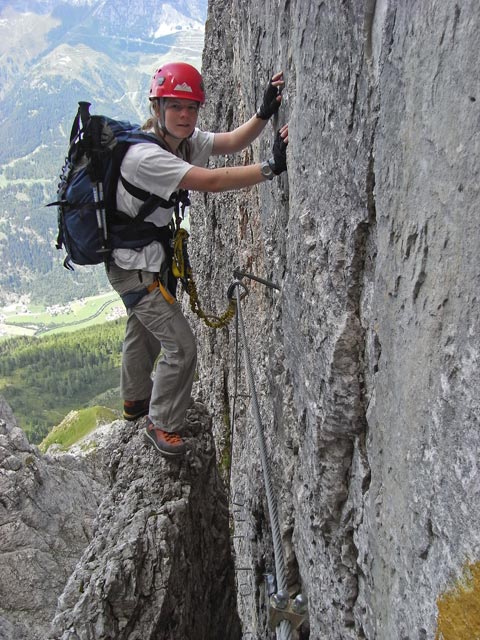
(178, 263)
(185, 274)
(215, 322)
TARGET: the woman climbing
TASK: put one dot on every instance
(155, 321)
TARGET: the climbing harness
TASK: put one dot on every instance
(284, 614)
(181, 269)
(131, 298)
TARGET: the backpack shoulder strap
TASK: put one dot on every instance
(150, 200)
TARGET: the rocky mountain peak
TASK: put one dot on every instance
(115, 542)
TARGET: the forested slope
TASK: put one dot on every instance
(44, 378)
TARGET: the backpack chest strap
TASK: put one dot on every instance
(152, 201)
(143, 195)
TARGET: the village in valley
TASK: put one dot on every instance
(23, 318)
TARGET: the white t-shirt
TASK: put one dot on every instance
(157, 171)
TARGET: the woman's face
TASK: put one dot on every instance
(180, 116)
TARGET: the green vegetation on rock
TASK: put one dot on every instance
(76, 425)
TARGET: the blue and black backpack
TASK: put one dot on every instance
(89, 223)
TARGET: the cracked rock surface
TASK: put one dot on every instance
(47, 509)
(367, 361)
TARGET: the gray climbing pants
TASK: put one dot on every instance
(156, 326)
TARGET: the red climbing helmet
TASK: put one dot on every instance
(177, 80)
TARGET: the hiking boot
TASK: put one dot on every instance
(134, 409)
(168, 444)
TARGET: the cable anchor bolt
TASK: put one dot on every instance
(282, 607)
(231, 293)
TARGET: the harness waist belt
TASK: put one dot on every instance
(132, 298)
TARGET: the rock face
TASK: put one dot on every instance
(367, 362)
(132, 546)
(159, 565)
(47, 508)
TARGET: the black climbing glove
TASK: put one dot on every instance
(278, 162)
(270, 104)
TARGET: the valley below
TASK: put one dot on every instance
(25, 318)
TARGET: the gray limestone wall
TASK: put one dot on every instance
(367, 361)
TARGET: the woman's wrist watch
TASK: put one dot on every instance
(267, 171)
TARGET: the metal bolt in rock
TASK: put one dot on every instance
(300, 604)
(280, 599)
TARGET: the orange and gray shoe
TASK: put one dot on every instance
(134, 409)
(167, 443)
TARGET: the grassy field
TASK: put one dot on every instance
(30, 320)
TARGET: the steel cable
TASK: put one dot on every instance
(284, 629)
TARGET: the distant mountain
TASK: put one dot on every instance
(53, 54)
